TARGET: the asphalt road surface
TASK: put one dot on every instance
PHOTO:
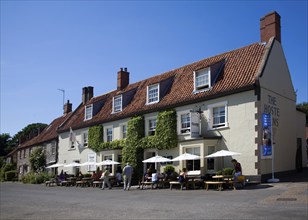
(284, 200)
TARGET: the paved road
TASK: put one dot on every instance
(285, 200)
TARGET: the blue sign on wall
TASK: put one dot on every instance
(266, 135)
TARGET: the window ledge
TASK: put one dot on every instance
(218, 128)
(116, 112)
(150, 103)
(201, 90)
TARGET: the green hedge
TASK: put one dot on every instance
(35, 178)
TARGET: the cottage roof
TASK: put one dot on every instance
(234, 71)
(48, 134)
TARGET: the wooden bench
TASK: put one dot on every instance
(146, 183)
(65, 183)
(51, 182)
(80, 183)
(175, 183)
(217, 183)
(97, 184)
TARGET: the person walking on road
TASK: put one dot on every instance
(127, 173)
(105, 176)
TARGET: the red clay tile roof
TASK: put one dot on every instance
(48, 134)
(238, 74)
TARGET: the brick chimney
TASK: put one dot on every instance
(123, 79)
(87, 94)
(67, 107)
(270, 27)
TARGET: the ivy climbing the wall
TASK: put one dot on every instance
(96, 140)
(133, 146)
(132, 153)
(95, 137)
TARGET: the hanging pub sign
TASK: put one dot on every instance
(266, 150)
(92, 158)
(194, 125)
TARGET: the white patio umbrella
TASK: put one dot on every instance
(55, 165)
(107, 162)
(89, 163)
(186, 156)
(156, 159)
(74, 164)
(223, 153)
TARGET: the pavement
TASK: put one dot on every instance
(287, 199)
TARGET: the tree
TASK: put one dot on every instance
(304, 107)
(28, 132)
(37, 160)
(6, 144)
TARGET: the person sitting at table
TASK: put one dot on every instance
(79, 175)
(105, 177)
(61, 177)
(94, 176)
(118, 176)
(183, 176)
(237, 169)
(155, 178)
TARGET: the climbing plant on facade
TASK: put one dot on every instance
(166, 130)
(132, 153)
(95, 137)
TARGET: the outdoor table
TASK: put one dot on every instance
(218, 180)
(87, 181)
(72, 180)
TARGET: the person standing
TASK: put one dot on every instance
(127, 173)
(237, 169)
(105, 176)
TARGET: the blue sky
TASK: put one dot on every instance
(50, 45)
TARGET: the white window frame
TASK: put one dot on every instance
(85, 141)
(181, 127)
(117, 105)
(151, 131)
(72, 145)
(106, 134)
(88, 112)
(53, 149)
(149, 89)
(211, 124)
(193, 148)
(205, 86)
(123, 134)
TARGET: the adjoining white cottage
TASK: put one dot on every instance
(219, 102)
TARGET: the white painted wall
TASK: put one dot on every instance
(277, 93)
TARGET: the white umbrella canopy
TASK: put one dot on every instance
(89, 163)
(223, 153)
(74, 164)
(156, 159)
(107, 162)
(186, 156)
(55, 165)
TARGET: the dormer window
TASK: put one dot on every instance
(202, 80)
(117, 103)
(88, 112)
(153, 94)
